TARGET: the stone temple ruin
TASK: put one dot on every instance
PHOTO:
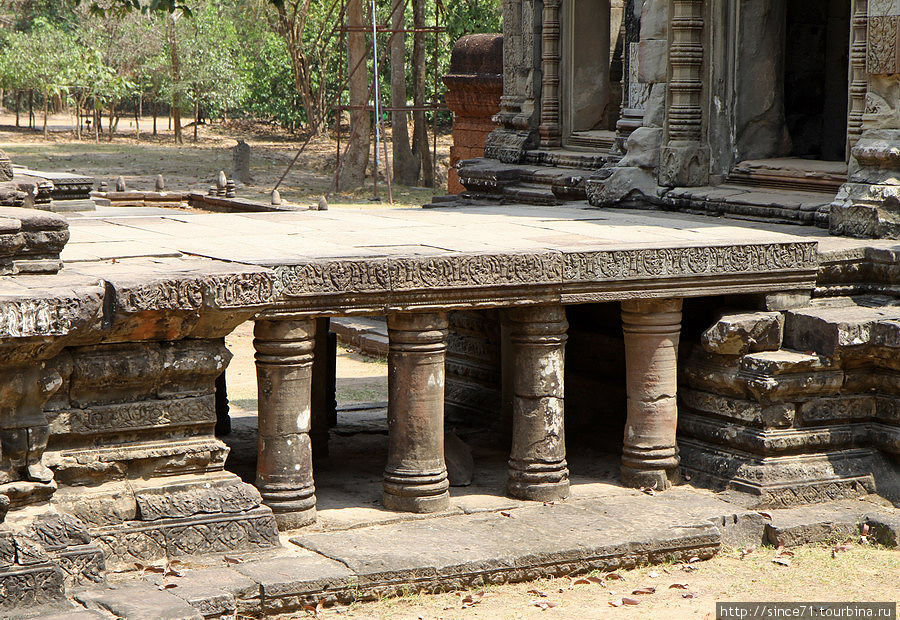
(754, 354)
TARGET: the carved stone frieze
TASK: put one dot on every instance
(883, 56)
(491, 270)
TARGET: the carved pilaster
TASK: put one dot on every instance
(858, 74)
(415, 479)
(284, 361)
(650, 454)
(551, 133)
(684, 159)
(634, 94)
(537, 461)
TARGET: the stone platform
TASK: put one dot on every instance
(121, 350)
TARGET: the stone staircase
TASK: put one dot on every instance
(545, 178)
(809, 414)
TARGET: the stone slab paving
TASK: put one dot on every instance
(456, 551)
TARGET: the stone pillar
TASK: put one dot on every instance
(537, 462)
(684, 158)
(284, 360)
(550, 130)
(415, 479)
(859, 77)
(650, 455)
(634, 93)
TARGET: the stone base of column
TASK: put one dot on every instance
(416, 492)
(539, 482)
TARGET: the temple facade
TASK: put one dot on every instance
(779, 110)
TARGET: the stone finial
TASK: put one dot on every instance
(212, 190)
(160, 183)
(241, 162)
(221, 181)
(230, 186)
(104, 186)
(323, 203)
(276, 197)
(120, 184)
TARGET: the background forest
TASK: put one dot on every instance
(213, 59)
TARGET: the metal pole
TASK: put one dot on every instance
(377, 96)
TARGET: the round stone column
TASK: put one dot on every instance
(415, 479)
(284, 360)
(650, 454)
(537, 461)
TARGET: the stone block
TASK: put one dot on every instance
(642, 148)
(138, 602)
(741, 333)
(884, 528)
(654, 20)
(653, 61)
(835, 523)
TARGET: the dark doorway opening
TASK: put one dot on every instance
(817, 40)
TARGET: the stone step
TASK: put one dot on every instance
(847, 326)
(742, 202)
(568, 158)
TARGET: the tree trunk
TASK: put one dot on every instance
(352, 171)
(196, 116)
(97, 117)
(31, 108)
(18, 105)
(154, 119)
(176, 82)
(77, 119)
(46, 110)
(137, 117)
(406, 166)
(111, 128)
(420, 126)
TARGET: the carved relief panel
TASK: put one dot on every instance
(883, 56)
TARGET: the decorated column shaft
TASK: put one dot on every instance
(684, 158)
(537, 462)
(415, 479)
(284, 361)
(650, 455)
(551, 132)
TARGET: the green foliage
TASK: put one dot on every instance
(275, 61)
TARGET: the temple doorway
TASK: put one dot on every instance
(817, 47)
(790, 80)
(591, 93)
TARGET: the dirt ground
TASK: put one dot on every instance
(360, 378)
(862, 573)
(194, 166)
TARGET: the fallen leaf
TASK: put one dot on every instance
(653, 574)
(543, 594)
(644, 591)
(543, 604)
(765, 515)
(167, 586)
(782, 561)
(693, 559)
(614, 576)
(688, 595)
(596, 580)
(582, 582)
(688, 568)
(549, 503)
(679, 586)
(616, 603)
(506, 514)
(232, 560)
(840, 549)
(745, 551)
(648, 490)
(630, 601)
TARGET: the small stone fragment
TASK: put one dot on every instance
(323, 203)
(160, 183)
(460, 464)
(120, 184)
(276, 197)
